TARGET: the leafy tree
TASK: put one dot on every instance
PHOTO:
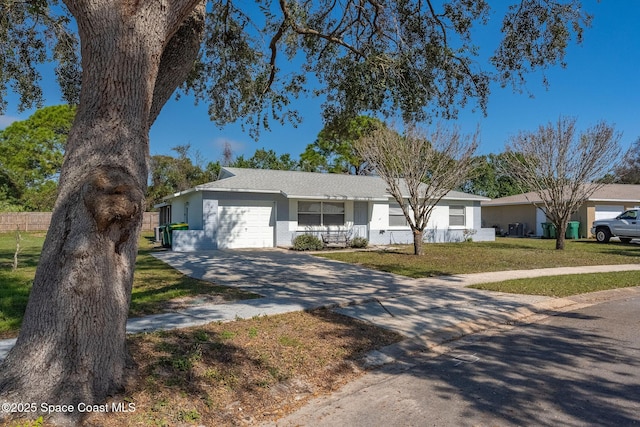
(491, 178)
(333, 151)
(628, 172)
(31, 153)
(8, 194)
(265, 159)
(419, 168)
(563, 167)
(213, 170)
(173, 174)
(41, 198)
(413, 58)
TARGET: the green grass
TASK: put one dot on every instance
(503, 254)
(155, 283)
(15, 285)
(564, 286)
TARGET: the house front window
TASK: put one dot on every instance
(396, 216)
(320, 213)
(456, 215)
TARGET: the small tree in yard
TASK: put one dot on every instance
(562, 167)
(419, 168)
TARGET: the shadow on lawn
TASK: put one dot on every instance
(612, 248)
(27, 258)
(14, 294)
(226, 374)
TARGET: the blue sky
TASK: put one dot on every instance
(601, 82)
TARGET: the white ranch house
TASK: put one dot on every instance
(258, 208)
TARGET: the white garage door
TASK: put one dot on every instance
(608, 211)
(246, 224)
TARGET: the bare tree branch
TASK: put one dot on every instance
(562, 167)
(311, 32)
(419, 167)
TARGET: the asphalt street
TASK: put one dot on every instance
(577, 368)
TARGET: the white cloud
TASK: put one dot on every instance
(237, 147)
(7, 120)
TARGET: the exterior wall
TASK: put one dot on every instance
(202, 233)
(40, 221)
(502, 216)
(371, 221)
(192, 241)
(438, 229)
(586, 215)
(203, 239)
(505, 215)
(292, 229)
(188, 208)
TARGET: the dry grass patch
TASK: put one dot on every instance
(243, 372)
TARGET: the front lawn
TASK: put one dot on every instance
(566, 285)
(243, 372)
(476, 257)
(156, 286)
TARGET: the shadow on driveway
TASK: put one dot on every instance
(290, 281)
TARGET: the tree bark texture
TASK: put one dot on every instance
(71, 347)
(418, 246)
(560, 237)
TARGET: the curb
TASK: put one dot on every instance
(405, 351)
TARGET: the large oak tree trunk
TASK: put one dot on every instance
(71, 346)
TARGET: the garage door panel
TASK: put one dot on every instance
(608, 211)
(246, 224)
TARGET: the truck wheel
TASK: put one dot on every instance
(603, 235)
(625, 239)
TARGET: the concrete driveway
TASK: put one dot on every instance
(432, 310)
(414, 307)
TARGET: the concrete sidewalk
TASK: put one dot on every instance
(433, 310)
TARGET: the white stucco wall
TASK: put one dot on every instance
(203, 221)
(193, 215)
(437, 230)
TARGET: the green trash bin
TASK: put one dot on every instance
(545, 230)
(179, 226)
(166, 239)
(573, 230)
(548, 230)
(174, 226)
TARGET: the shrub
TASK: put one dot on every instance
(467, 234)
(307, 242)
(359, 242)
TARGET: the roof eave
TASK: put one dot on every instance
(180, 193)
(335, 197)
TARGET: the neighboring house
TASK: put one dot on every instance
(607, 202)
(256, 208)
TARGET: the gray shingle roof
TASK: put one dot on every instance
(306, 185)
(607, 193)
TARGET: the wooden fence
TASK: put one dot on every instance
(40, 221)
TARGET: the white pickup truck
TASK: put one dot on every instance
(625, 226)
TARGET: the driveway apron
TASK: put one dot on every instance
(291, 281)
